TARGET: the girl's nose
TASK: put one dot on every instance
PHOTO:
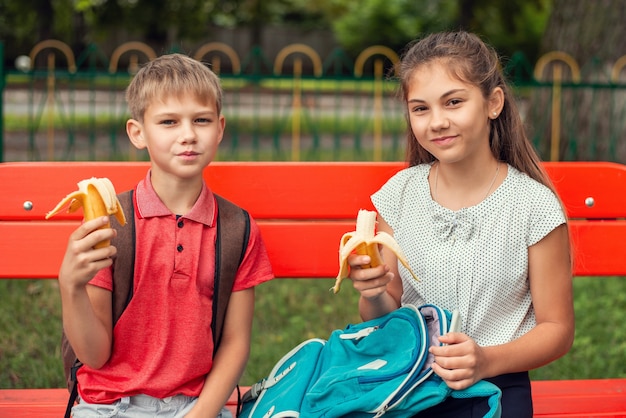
(439, 120)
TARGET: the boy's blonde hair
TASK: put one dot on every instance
(172, 75)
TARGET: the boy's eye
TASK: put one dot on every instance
(168, 122)
(203, 120)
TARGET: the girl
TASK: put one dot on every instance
(480, 224)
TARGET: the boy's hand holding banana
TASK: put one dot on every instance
(364, 241)
(97, 197)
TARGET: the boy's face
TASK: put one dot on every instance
(181, 135)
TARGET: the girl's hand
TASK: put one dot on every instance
(370, 282)
(459, 363)
(81, 261)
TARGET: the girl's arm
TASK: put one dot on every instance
(86, 309)
(463, 363)
(231, 358)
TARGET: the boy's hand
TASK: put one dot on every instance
(81, 261)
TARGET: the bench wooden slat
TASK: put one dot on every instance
(267, 190)
(48, 403)
(34, 249)
(565, 398)
(33, 403)
(580, 398)
(289, 190)
(605, 182)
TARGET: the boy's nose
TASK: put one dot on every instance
(188, 134)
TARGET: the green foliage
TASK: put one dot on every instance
(392, 23)
(17, 21)
(513, 26)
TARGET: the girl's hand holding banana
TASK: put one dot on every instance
(365, 241)
(97, 197)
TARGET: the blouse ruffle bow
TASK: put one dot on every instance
(454, 225)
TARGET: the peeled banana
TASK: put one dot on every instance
(97, 197)
(365, 241)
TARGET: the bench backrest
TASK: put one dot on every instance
(302, 209)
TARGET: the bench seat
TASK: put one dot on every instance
(318, 201)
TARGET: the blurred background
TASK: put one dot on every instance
(304, 80)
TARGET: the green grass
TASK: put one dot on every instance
(288, 312)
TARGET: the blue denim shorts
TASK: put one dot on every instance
(141, 406)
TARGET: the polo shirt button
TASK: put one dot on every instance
(179, 248)
(181, 224)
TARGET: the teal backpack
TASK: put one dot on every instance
(374, 368)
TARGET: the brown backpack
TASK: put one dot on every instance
(230, 247)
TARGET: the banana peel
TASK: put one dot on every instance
(97, 197)
(365, 241)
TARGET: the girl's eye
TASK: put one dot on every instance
(454, 102)
(418, 109)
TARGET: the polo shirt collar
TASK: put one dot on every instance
(150, 205)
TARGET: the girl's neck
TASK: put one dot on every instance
(456, 187)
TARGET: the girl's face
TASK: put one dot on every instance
(449, 117)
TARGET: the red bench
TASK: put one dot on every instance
(319, 201)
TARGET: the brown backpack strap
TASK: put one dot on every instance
(124, 262)
(233, 233)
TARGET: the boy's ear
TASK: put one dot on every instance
(222, 127)
(134, 130)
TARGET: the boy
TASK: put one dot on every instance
(158, 357)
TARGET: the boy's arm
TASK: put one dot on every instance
(87, 310)
(231, 358)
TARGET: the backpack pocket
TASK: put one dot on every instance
(364, 366)
(280, 393)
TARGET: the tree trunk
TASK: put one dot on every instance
(587, 28)
(586, 122)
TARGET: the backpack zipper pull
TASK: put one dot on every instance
(359, 334)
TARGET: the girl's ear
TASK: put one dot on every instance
(134, 130)
(496, 102)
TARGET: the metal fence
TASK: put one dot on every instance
(296, 106)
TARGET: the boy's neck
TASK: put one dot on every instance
(178, 196)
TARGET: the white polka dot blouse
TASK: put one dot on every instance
(474, 259)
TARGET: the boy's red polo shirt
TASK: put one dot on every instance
(162, 343)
